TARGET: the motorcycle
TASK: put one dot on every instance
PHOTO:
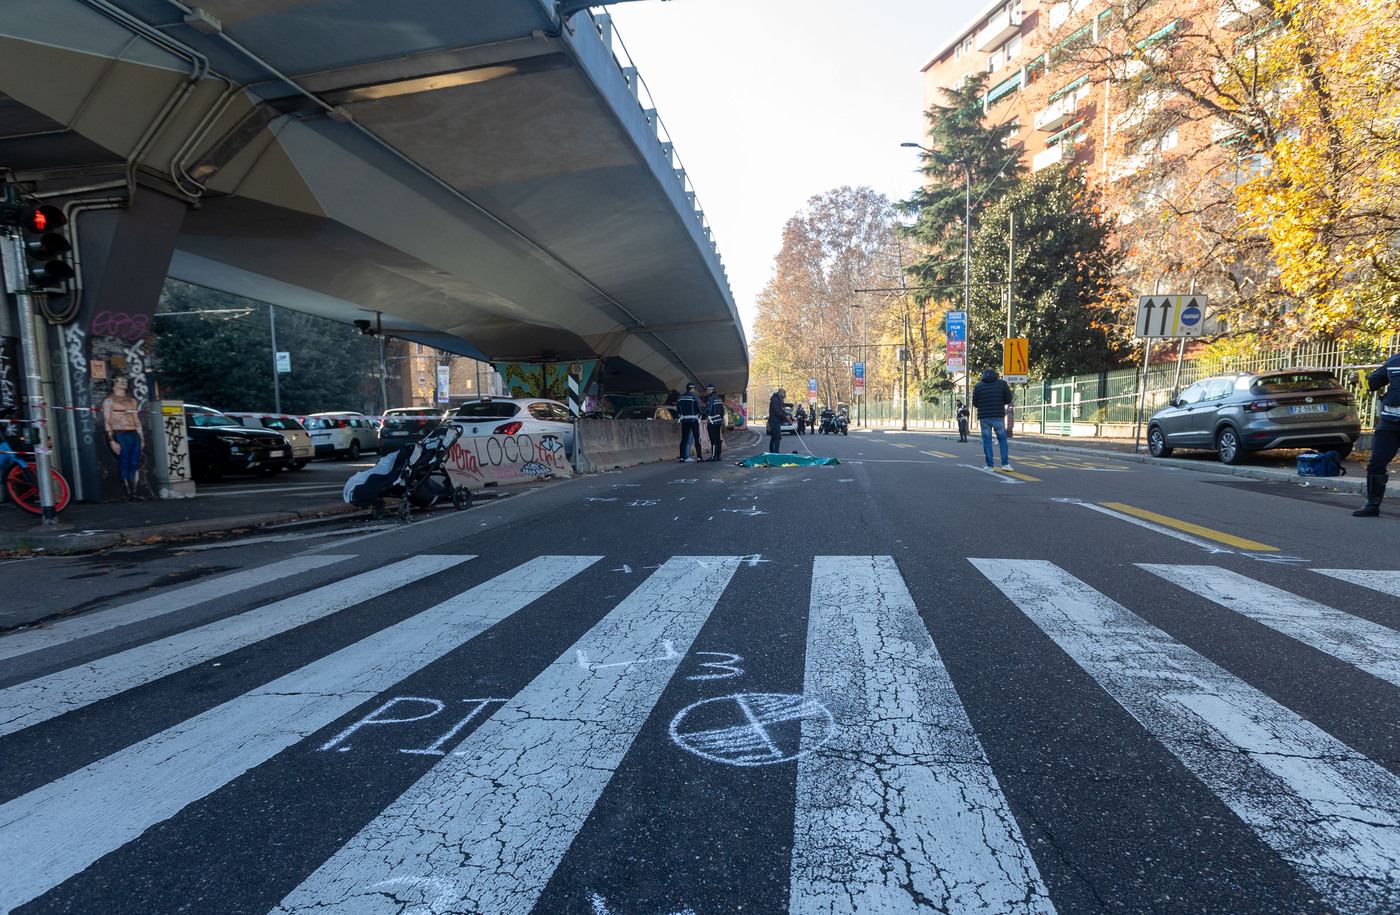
(839, 423)
(828, 423)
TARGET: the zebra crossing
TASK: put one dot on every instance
(896, 804)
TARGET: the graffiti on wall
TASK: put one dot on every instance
(176, 452)
(473, 462)
(549, 379)
(9, 375)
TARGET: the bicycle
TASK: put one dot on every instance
(22, 479)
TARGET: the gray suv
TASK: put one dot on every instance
(1236, 413)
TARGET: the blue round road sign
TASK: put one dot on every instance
(1190, 316)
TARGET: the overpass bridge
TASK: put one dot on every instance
(483, 177)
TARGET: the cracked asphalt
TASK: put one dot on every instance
(899, 684)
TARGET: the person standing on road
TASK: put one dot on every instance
(991, 396)
(1386, 438)
(801, 419)
(714, 416)
(962, 415)
(777, 415)
(688, 411)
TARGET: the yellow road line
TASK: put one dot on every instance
(1189, 527)
(940, 454)
(901, 445)
(1020, 476)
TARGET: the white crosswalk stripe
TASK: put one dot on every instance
(895, 797)
(65, 630)
(1361, 643)
(1329, 811)
(872, 662)
(483, 831)
(51, 833)
(37, 700)
(1383, 580)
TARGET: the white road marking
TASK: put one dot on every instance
(26, 704)
(496, 817)
(1161, 529)
(1324, 808)
(168, 601)
(1359, 642)
(902, 802)
(52, 833)
(1383, 581)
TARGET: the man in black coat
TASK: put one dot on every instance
(777, 415)
(1386, 437)
(714, 418)
(688, 410)
(990, 398)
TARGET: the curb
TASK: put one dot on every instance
(61, 539)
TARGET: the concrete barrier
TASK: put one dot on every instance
(609, 443)
(504, 459)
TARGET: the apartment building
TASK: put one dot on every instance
(1076, 84)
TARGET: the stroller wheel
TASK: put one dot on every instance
(405, 508)
(461, 497)
(378, 510)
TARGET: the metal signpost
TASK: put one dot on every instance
(1161, 316)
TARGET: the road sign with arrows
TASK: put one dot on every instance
(1171, 315)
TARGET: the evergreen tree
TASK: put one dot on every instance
(1064, 269)
(962, 147)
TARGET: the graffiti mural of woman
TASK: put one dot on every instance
(121, 418)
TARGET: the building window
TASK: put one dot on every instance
(995, 60)
(1013, 48)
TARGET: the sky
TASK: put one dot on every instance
(772, 102)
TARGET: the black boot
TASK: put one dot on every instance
(1375, 492)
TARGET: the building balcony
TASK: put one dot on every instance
(1060, 152)
(1056, 114)
(1238, 15)
(1002, 27)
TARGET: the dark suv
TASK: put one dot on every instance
(406, 425)
(1236, 413)
(219, 444)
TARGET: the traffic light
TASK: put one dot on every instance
(46, 246)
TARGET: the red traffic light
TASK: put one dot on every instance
(44, 218)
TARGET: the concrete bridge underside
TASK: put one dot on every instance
(478, 176)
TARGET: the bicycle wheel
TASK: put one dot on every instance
(22, 483)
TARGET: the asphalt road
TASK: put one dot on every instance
(899, 684)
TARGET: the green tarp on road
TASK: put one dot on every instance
(786, 460)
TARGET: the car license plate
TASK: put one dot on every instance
(276, 453)
(1309, 408)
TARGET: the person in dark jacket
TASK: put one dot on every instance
(962, 415)
(688, 410)
(990, 398)
(1386, 439)
(777, 415)
(714, 418)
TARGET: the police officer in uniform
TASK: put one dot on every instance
(688, 411)
(1387, 435)
(714, 417)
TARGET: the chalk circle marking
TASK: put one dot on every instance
(751, 729)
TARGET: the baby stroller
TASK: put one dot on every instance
(414, 475)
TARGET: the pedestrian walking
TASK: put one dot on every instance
(962, 415)
(777, 415)
(990, 397)
(715, 411)
(1386, 438)
(688, 411)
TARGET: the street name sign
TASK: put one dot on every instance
(1171, 315)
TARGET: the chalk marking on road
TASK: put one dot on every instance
(1383, 581)
(50, 834)
(1330, 812)
(1208, 533)
(727, 666)
(374, 718)
(435, 749)
(1359, 642)
(26, 704)
(180, 598)
(904, 766)
(1194, 541)
(509, 807)
(750, 729)
(668, 653)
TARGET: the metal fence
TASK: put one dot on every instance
(1111, 399)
